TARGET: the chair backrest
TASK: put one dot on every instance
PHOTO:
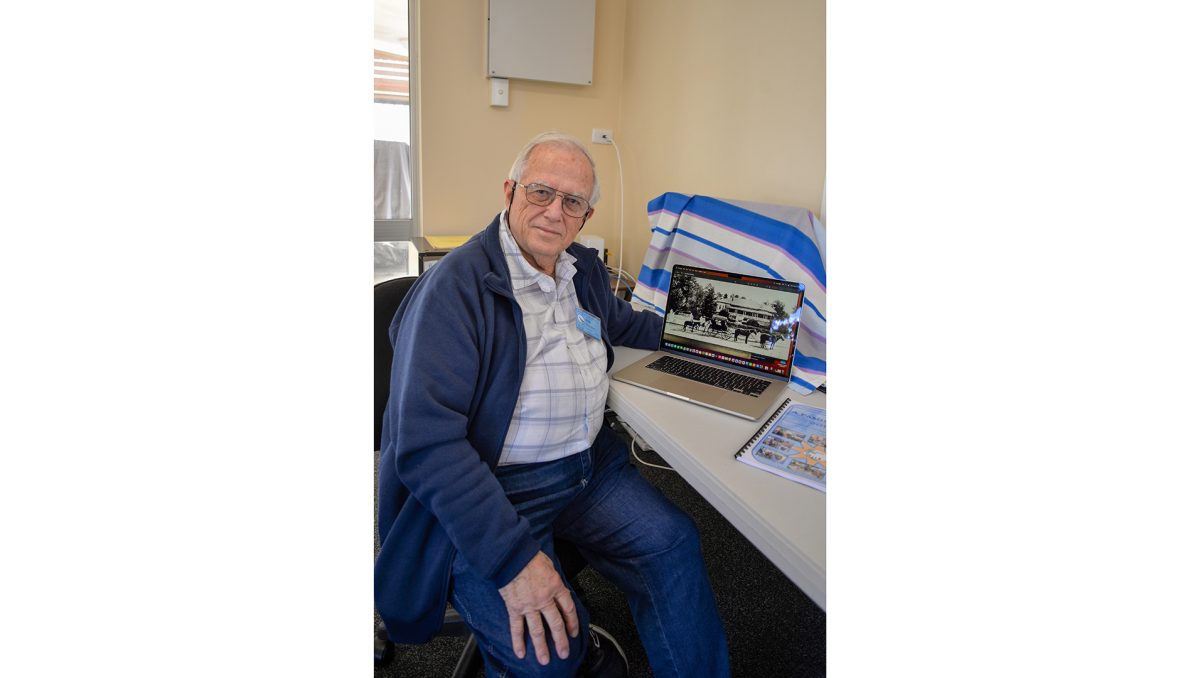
(388, 295)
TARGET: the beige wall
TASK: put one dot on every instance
(705, 96)
(721, 98)
(466, 147)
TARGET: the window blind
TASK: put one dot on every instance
(391, 77)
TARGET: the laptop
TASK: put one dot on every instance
(727, 341)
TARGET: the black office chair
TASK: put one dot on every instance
(388, 295)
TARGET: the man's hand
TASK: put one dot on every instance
(536, 592)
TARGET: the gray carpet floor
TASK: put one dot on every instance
(773, 629)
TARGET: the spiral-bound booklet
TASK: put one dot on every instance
(790, 444)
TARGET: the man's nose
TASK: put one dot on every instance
(555, 207)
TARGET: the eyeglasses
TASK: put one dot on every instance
(540, 195)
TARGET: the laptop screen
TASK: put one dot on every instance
(741, 320)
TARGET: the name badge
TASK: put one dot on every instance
(587, 323)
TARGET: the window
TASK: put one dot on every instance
(395, 207)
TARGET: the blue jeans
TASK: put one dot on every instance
(630, 533)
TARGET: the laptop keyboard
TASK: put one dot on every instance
(713, 376)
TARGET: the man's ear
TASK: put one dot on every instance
(509, 187)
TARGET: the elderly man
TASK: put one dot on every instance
(494, 444)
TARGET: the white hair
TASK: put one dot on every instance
(557, 139)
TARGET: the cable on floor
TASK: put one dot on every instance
(614, 420)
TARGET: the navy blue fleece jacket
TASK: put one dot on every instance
(459, 357)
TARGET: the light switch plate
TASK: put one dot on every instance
(499, 91)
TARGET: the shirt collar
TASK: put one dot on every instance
(522, 272)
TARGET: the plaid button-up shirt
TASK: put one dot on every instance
(560, 407)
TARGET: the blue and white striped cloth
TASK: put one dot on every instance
(777, 241)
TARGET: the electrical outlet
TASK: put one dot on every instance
(601, 136)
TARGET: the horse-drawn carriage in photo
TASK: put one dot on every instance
(719, 327)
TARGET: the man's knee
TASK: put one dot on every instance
(557, 668)
(674, 531)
